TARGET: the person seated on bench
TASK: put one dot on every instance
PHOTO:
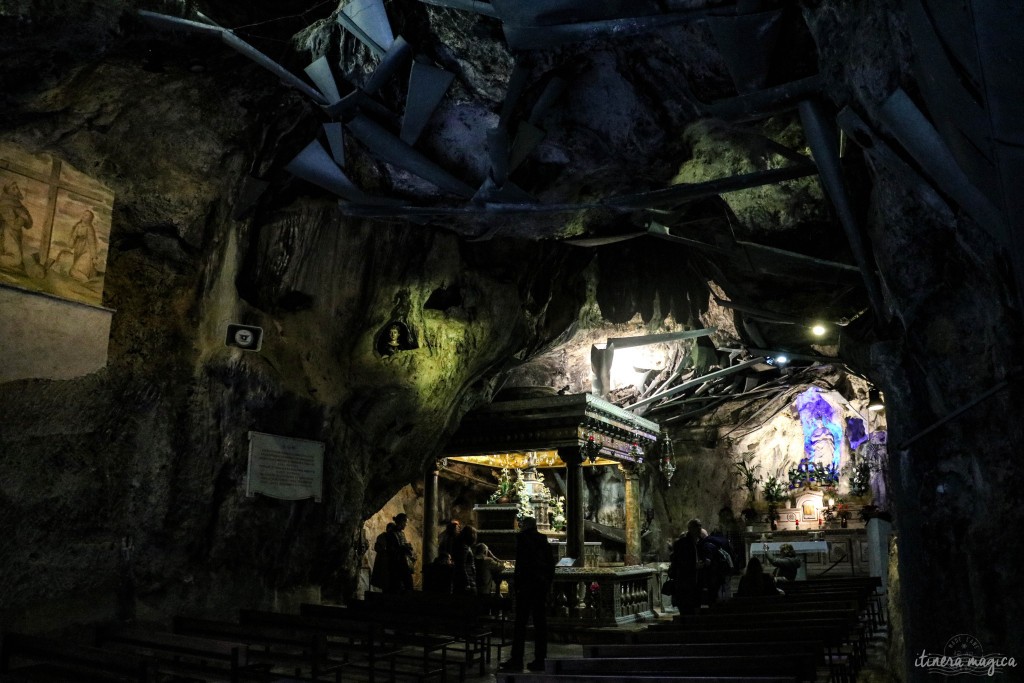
(755, 582)
(437, 577)
(786, 563)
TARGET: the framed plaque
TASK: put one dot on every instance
(285, 468)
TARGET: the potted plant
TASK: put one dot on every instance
(507, 489)
(750, 516)
(749, 480)
(839, 512)
(774, 494)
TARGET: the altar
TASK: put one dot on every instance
(803, 549)
(829, 552)
(599, 596)
(567, 433)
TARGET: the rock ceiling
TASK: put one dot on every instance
(687, 123)
(718, 128)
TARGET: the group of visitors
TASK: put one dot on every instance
(701, 565)
(396, 558)
(462, 565)
(465, 566)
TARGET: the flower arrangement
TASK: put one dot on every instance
(812, 474)
(840, 511)
(558, 513)
(860, 478)
(513, 490)
(508, 488)
(523, 501)
(773, 491)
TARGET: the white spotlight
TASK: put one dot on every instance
(818, 330)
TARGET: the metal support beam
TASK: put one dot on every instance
(697, 381)
(824, 142)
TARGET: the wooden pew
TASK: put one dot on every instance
(813, 650)
(362, 643)
(803, 669)
(46, 659)
(181, 652)
(866, 587)
(651, 678)
(276, 645)
(832, 635)
(467, 617)
(414, 622)
(810, 648)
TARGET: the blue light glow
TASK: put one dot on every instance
(855, 432)
(823, 437)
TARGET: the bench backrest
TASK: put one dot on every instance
(638, 678)
(803, 668)
(15, 646)
(249, 633)
(813, 649)
(759, 619)
(830, 635)
(207, 648)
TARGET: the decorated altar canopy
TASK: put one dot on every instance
(570, 431)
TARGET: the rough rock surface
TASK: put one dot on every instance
(152, 449)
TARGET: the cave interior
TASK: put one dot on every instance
(785, 232)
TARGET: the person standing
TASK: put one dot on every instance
(380, 576)
(402, 557)
(534, 572)
(688, 565)
(446, 539)
(462, 557)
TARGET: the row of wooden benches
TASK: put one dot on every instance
(815, 631)
(413, 637)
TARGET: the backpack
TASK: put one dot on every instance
(721, 559)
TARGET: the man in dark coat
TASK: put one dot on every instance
(689, 564)
(534, 572)
(401, 556)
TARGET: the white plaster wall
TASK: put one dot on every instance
(43, 337)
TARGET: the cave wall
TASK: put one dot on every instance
(950, 342)
(123, 491)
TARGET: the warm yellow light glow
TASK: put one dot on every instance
(520, 460)
(818, 330)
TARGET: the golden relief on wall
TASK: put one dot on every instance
(54, 226)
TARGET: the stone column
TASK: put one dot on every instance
(429, 514)
(573, 458)
(631, 473)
